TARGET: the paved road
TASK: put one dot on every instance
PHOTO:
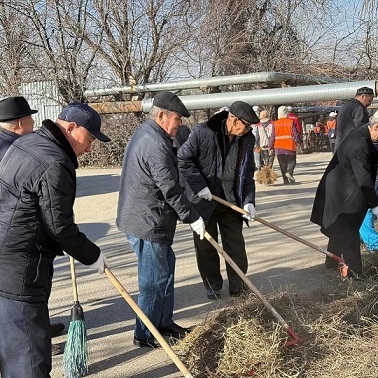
(275, 261)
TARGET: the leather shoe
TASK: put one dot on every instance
(56, 349)
(174, 330)
(150, 342)
(56, 329)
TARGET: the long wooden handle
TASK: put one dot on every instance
(73, 276)
(276, 228)
(148, 323)
(247, 281)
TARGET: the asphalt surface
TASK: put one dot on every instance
(275, 262)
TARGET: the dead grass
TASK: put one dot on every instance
(244, 340)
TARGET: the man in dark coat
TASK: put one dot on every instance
(344, 194)
(218, 159)
(37, 192)
(149, 205)
(353, 114)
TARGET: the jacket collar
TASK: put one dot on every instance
(52, 131)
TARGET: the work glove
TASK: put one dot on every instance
(374, 210)
(199, 227)
(205, 194)
(251, 210)
(100, 264)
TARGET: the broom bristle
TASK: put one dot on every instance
(75, 358)
(266, 176)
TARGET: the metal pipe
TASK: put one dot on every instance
(277, 96)
(277, 78)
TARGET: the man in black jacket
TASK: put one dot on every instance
(353, 114)
(37, 192)
(218, 159)
(345, 192)
(150, 203)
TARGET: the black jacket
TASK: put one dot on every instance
(346, 189)
(150, 197)
(37, 192)
(7, 137)
(352, 115)
(202, 163)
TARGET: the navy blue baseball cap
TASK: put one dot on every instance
(83, 115)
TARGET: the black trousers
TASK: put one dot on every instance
(345, 241)
(230, 225)
(25, 340)
(287, 164)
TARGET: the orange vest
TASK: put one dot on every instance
(284, 138)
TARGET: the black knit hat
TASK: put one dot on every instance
(169, 101)
(14, 108)
(244, 111)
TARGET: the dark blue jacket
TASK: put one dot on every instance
(7, 138)
(150, 196)
(37, 192)
(201, 162)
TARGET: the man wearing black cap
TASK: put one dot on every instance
(150, 203)
(218, 159)
(37, 191)
(15, 120)
(353, 114)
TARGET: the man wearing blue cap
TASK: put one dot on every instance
(37, 191)
(218, 159)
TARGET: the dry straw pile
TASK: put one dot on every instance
(243, 339)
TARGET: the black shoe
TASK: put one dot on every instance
(330, 263)
(150, 342)
(56, 329)
(213, 294)
(175, 331)
(56, 349)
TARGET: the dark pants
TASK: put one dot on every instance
(230, 225)
(25, 340)
(287, 164)
(345, 241)
(267, 158)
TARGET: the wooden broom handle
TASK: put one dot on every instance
(148, 323)
(73, 276)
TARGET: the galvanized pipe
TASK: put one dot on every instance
(257, 77)
(277, 96)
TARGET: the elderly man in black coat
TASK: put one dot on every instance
(345, 192)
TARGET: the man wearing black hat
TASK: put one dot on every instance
(353, 114)
(37, 191)
(150, 203)
(218, 159)
(15, 120)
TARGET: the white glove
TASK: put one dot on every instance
(205, 194)
(374, 210)
(199, 227)
(100, 264)
(252, 211)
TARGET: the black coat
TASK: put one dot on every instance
(346, 189)
(352, 115)
(150, 197)
(7, 137)
(201, 162)
(37, 192)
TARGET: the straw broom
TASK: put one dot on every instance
(75, 356)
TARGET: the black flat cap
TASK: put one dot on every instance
(244, 111)
(364, 90)
(14, 108)
(169, 101)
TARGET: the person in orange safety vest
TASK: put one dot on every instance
(286, 138)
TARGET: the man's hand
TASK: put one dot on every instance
(251, 210)
(205, 194)
(100, 264)
(199, 227)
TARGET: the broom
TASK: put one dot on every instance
(75, 355)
